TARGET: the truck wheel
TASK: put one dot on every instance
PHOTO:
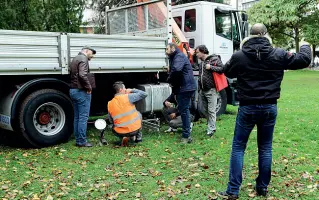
(221, 102)
(46, 118)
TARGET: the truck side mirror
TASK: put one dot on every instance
(244, 17)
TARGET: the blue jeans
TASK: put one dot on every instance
(184, 103)
(81, 103)
(264, 116)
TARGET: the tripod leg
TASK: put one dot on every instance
(102, 139)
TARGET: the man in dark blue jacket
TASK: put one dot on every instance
(259, 69)
(183, 85)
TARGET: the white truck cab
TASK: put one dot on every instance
(218, 26)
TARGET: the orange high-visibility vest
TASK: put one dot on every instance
(125, 117)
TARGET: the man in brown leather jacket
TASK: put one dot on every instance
(82, 83)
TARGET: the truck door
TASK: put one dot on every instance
(191, 27)
(227, 37)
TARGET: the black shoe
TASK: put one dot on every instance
(261, 191)
(138, 141)
(225, 195)
(84, 145)
(210, 133)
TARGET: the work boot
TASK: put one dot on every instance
(186, 140)
(125, 141)
(225, 195)
(170, 129)
(261, 191)
(210, 133)
(84, 145)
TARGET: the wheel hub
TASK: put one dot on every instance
(49, 119)
(44, 118)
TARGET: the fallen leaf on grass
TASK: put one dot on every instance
(79, 184)
(25, 184)
(4, 187)
(62, 184)
(212, 197)
(193, 165)
(49, 197)
(35, 197)
(205, 167)
(252, 195)
(138, 195)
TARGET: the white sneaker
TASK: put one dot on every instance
(170, 129)
(210, 133)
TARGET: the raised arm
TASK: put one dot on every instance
(135, 95)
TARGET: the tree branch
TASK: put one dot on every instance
(287, 35)
(301, 6)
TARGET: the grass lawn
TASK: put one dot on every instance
(162, 168)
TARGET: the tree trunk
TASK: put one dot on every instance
(314, 51)
(26, 20)
(297, 39)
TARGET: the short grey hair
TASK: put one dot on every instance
(258, 29)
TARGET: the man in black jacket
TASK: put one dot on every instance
(207, 93)
(259, 69)
(183, 85)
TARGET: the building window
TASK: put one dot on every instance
(190, 20)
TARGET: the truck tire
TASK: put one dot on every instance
(46, 117)
(221, 102)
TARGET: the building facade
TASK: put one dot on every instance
(248, 3)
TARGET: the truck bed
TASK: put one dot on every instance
(29, 52)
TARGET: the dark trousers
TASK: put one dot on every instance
(184, 104)
(174, 123)
(136, 133)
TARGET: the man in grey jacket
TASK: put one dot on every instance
(82, 83)
(207, 89)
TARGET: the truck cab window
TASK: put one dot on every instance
(235, 31)
(178, 21)
(190, 20)
(223, 24)
(236, 35)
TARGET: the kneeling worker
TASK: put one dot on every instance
(172, 115)
(127, 121)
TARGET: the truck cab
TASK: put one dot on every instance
(218, 26)
(221, 29)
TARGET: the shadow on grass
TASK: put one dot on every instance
(13, 140)
(230, 112)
